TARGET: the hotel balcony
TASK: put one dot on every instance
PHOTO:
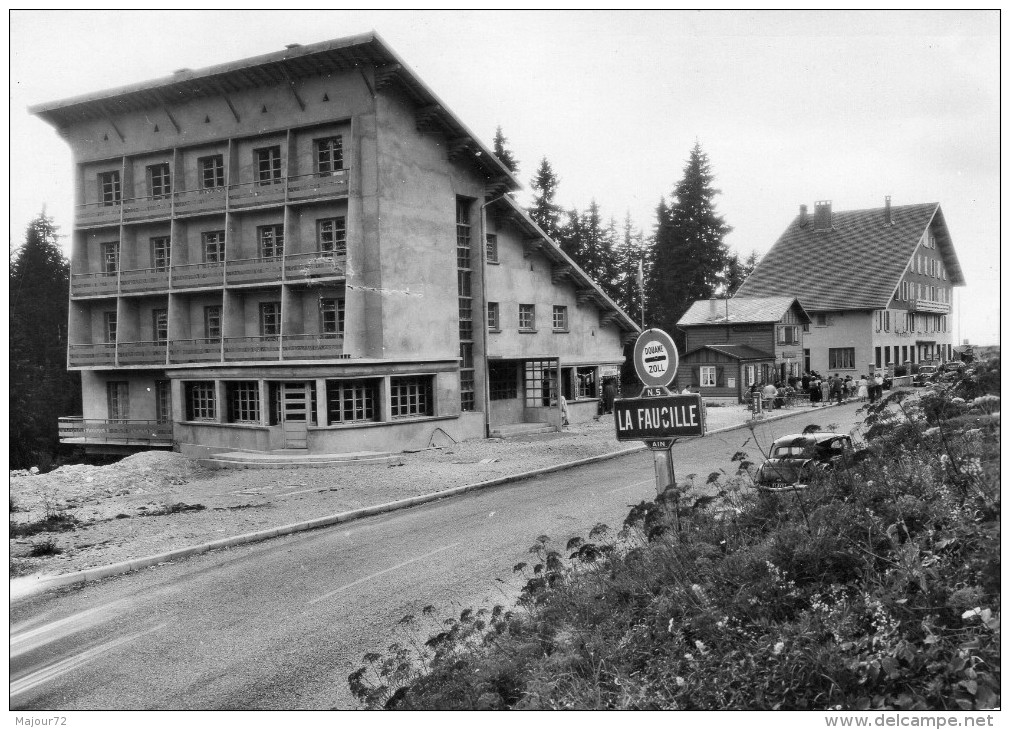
(143, 280)
(188, 276)
(199, 350)
(314, 265)
(90, 285)
(97, 355)
(298, 188)
(252, 348)
(76, 430)
(313, 347)
(142, 353)
(925, 305)
(251, 271)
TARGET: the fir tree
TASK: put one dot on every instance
(736, 272)
(630, 256)
(503, 153)
(545, 212)
(689, 255)
(41, 388)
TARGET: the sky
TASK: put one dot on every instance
(791, 107)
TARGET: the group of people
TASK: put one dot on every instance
(834, 388)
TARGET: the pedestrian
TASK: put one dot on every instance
(815, 388)
(805, 382)
(862, 388)
(768, 394)
(835, 389)
(878, 380)
(564, 411)
(608, 396)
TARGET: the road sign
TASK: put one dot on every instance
(663, 417)
(655, 358)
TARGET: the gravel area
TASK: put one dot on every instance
(156, 501)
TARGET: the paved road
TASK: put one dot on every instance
(280, 624)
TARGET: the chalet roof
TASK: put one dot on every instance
(561, 265)
(740, 310)
(856, 264)
(737, 352)
(293, 63)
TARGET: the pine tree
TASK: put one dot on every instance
(571, 238)
(545, 212)
(689, 252)
(503, 153)
(736, 273)
(41, 388)
(630, 256)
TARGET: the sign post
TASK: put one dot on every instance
(658, 416)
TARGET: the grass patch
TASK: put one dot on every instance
(44, 548)
(172, 509)
(878, 587)
(53, 522)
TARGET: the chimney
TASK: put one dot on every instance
(803, 216)
(887, 210)
(822, 215)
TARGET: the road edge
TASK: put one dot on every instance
(128, 566)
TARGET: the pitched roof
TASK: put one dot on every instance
(857, 264)
(737, 352)
(294, 62)
(739, 310)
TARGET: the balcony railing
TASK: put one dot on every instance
(200, 350)
(92, 355)
(307, 187)
(143, 279)
(925, 305)
(239, 195)
(186, 276)
(139, 209)
(87, 285)
(252, 348)
(249, 271)
(76, 430)
(142, 353)
(315, 265)
(313, 347)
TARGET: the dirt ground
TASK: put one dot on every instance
(156, 501)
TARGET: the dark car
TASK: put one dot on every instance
(794, 458)
(926, 374)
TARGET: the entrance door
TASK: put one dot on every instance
(295, 404)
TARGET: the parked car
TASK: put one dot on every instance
(954, 366)
(794, 458)
(926, 374)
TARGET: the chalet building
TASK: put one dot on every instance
(878, 284)
(307, 250)
(732, 344)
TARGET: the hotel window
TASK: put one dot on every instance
(750, 374)
(585, 383)
(789, 335)
(110, 327)
(492, 248)
(243, 401)
(329, 155)
(271, 240)
(212, 322)
(118, 393)
(331, 235)
(112, 192)
(841, 358)
(211, 171)
(503, 380)
(331, 313)
(887, 320)
(213, 247)
(464, 274)
(943, 273)
(161, 252)
(527, 317)
(540, 383)
(268, 165)
(411, 396)
(110, 257)
(493, 323)
(159, 180)
(270, 319)
(560, 318)
(352, 400)
(201, 401)
(159, 324)
(163, 401)
(708, 376)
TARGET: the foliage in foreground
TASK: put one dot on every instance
(878, 587)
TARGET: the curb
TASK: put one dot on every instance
(128, 566)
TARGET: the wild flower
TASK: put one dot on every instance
(779, 646)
